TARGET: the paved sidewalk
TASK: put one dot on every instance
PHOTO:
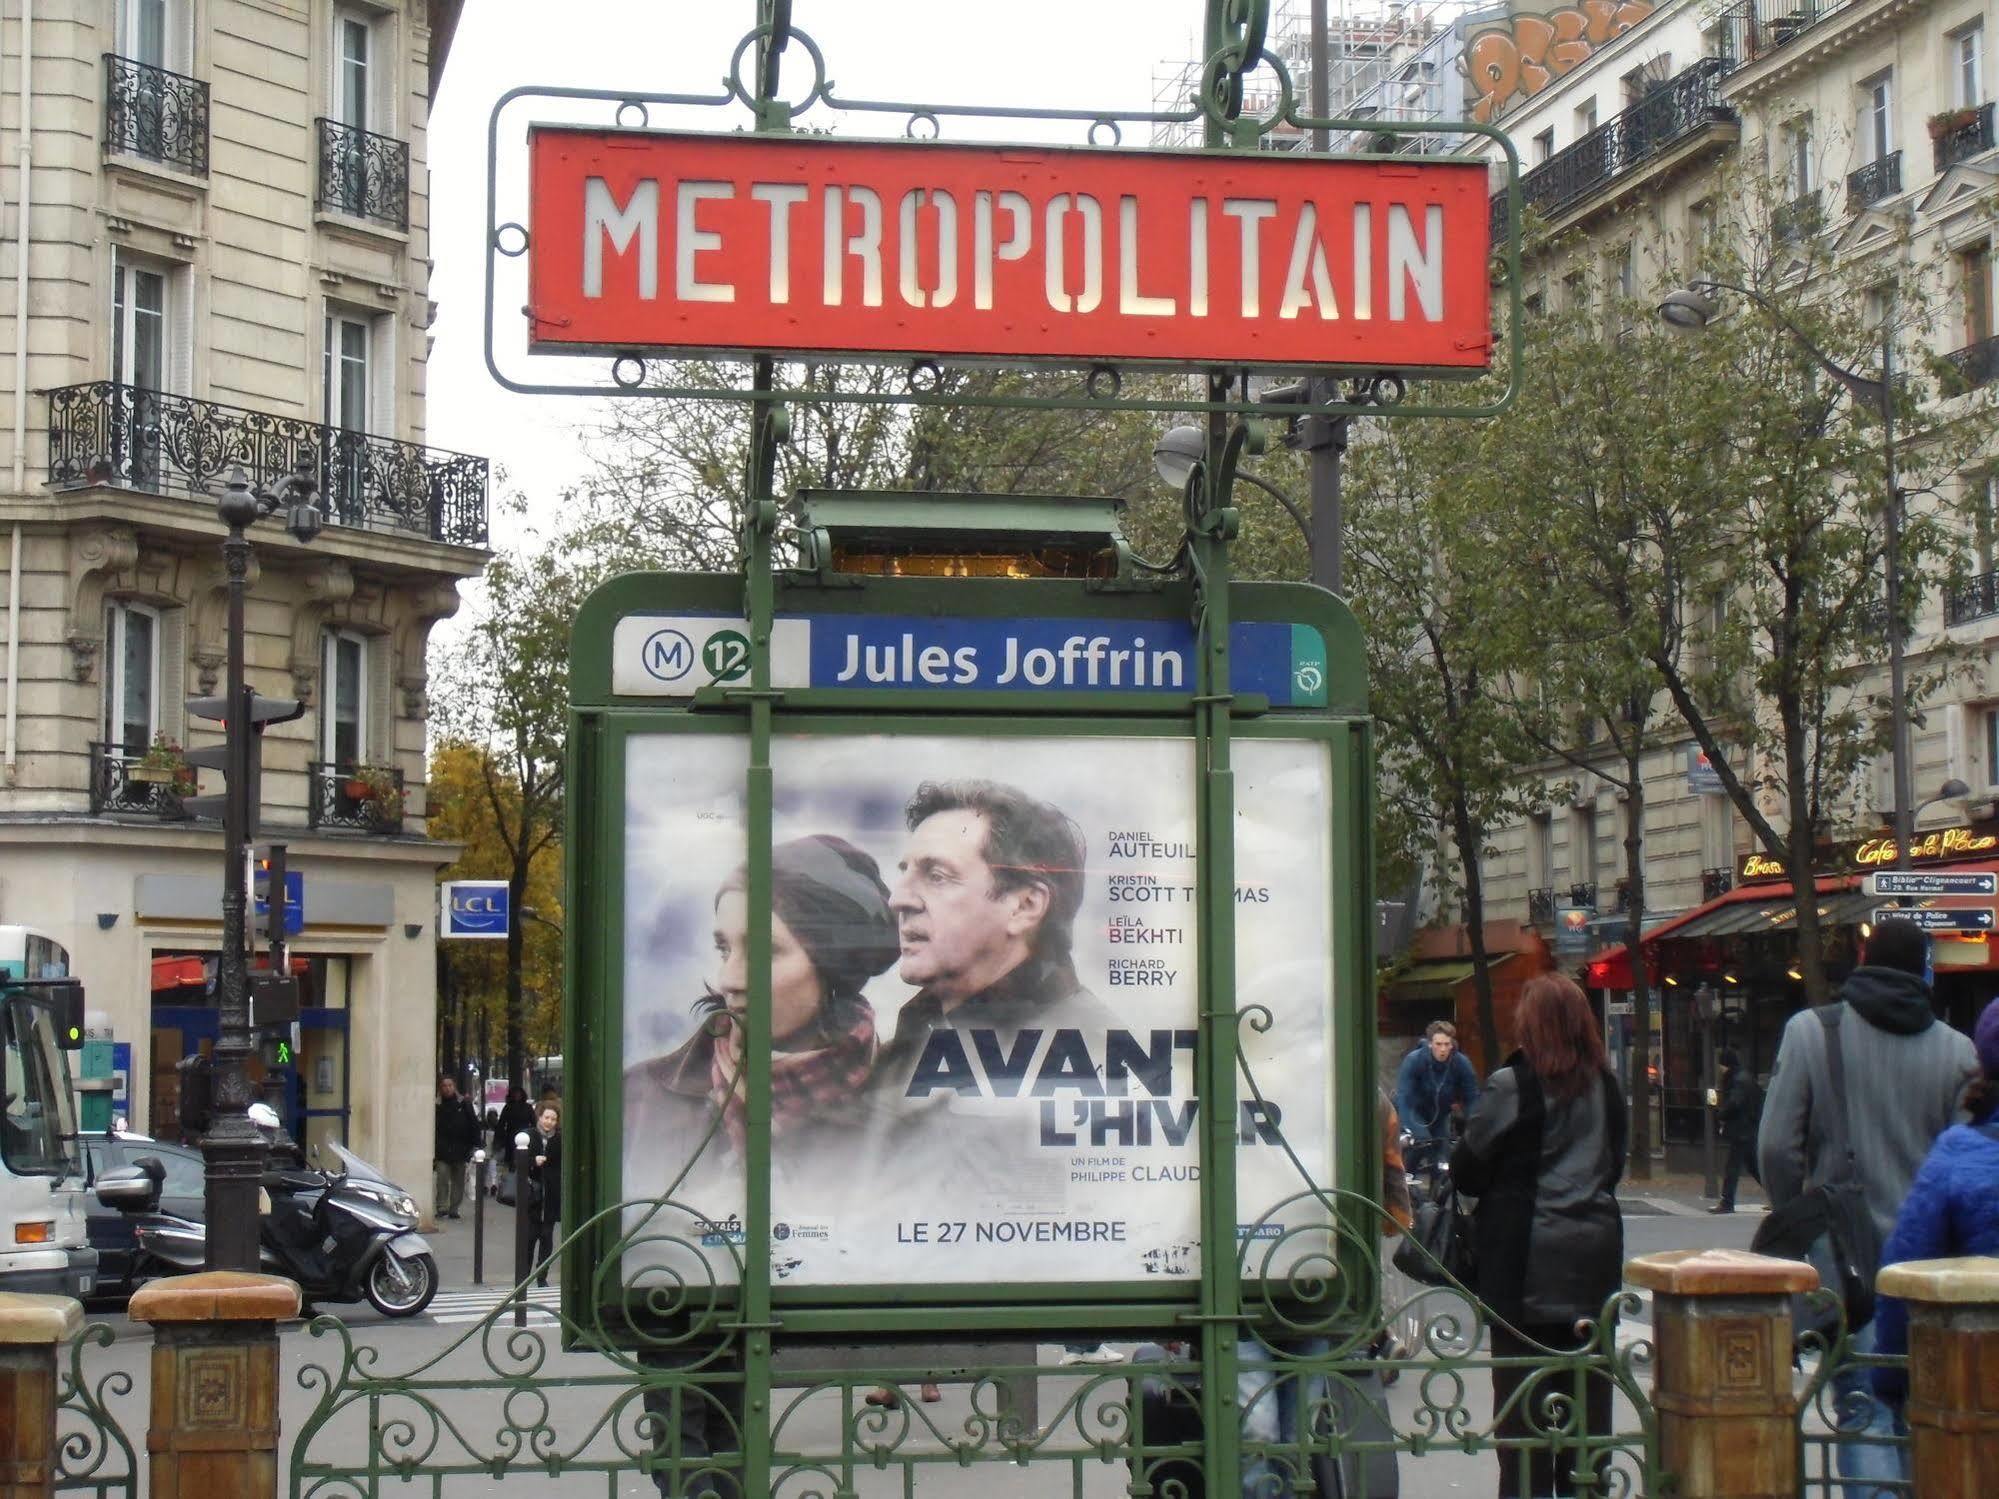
(1682, 1194)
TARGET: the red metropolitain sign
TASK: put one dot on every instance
(647, 241)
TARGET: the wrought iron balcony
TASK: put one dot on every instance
(1583, 893)
(364, 175)
(1681, 107)
(119, 782)
(1960, 135)
(1975, 598)
(1881, 178)
(1974, 365)
(141, 439)
(1717, 882)
(1752, 29)
(152, 113)
(1621, 900)
(1541, 907)
(361, 798)
(1798, 219)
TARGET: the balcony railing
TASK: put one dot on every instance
(1975, 598)
(118, 783)
(1798, 219)
(1687, 103)
(1965, 136)
(1541, 907)
(1973, 365)
(1716, 882)
(152, 113)
(364, 175)
(1881, 178)
(1753, 29)
(1582, 893)
(364, 799)
(1621, 899)
(141, 439)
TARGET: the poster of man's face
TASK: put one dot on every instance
(982, 1013)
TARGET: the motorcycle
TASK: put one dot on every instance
(342, 1235)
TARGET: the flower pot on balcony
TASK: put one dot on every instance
(1950, 121)
(150, 775)
(356, 789)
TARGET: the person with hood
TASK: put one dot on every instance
(1905, 1076)
(1543, 1151)
(1741, 1111)
(1434, 1081)
(830, 932)
(1952, 1209)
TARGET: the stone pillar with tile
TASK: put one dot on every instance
(33, 1332)
(1953, 1371)
(213, 1427)
(1727, 1412)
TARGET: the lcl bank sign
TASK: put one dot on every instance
(646, 240)
(473, 909)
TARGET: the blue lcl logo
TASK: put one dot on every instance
(475, 910)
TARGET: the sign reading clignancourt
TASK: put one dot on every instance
(650, 240)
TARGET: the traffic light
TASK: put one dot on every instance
(271, 897)
(259, 713)
(197, 1105)
(275, 1049)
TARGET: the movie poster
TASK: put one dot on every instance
(983, 1006)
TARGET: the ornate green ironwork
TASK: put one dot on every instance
(93, 1455)
(1234, 36)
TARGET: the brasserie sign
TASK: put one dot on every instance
(1861, 855)
(647, 240)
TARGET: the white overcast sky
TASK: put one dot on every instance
(1044, 53)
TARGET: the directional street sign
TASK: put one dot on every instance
(1936, 919)
(1897, 882)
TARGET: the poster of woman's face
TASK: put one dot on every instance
(982, 1010)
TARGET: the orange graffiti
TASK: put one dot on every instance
(1524, 55)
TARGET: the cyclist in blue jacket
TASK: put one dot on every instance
(1435, 1080)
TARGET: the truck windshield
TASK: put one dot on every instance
(37, 1117)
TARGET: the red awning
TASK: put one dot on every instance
(1610, 968)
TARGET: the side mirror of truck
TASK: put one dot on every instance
(129, 1189)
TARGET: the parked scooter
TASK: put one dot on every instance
(341, 1235)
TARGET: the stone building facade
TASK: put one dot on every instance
(216, 255)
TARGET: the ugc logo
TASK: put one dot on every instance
(667, 655)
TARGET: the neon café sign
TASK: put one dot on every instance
(1966, 841)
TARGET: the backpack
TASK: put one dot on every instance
(1830, 1223)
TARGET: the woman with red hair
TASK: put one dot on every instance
(1543, 1151)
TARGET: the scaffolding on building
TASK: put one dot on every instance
(1396, 60)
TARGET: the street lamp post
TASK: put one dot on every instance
(233, 1149)
(1690, 309)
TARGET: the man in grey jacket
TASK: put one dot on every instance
(1905, 1075)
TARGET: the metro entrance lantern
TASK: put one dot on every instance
(809, 246)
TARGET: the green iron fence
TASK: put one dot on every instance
(94, 1455)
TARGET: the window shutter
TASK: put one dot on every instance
(172, 707)
(382, 395)
(380, 731)
(180, 337)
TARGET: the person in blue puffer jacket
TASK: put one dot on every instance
(1953, 1208)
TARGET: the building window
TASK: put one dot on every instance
(1967, 58)
(1700, 235)
(131, 677)
(1877, 118)
(1984, 521)
(343, 715)
(1800, 170)
(1575, 291)
(143, 31)
(1540, 851)
(353, 41)
(1544, 145)
(138, 323)
(1585, 118)
(1990, 762)
(1974, 273)
(347, 357)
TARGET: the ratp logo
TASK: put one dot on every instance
(667, 655)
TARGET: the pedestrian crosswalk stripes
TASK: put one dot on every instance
(449, 1308)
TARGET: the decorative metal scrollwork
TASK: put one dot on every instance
(151, 113)
(363, 175)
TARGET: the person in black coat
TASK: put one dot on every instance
(545, 1183)
(1741, 1114)
(1543, 1151)
(456, 1137)
(516, 1115)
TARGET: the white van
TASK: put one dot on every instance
(44, 1245)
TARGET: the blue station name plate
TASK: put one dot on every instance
(658, 655)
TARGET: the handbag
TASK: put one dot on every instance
(1437, 1250)
(504, 1187)
(1830, 1223)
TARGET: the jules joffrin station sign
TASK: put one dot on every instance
(647, 240)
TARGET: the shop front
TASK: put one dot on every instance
(1725, 974)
